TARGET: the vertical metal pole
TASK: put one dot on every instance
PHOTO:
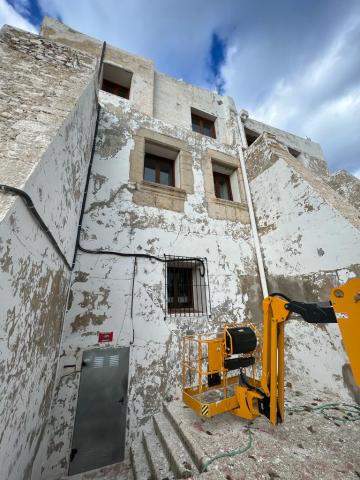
(208, 286)
(254, 229)
(183, 356)
(199, 363)
(280, 380)
(273, 371)
(265, 374)
(166, 309)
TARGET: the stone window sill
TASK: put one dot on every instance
(160, 196)
(221, 209)
(229, 203)
(159, 188)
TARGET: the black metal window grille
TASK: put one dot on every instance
(187, 286)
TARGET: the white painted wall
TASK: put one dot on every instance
(101, 290)
(309, 246)
(49, 161)
(173, 100)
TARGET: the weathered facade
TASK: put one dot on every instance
(54, 310)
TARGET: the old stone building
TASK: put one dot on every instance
(136, 208)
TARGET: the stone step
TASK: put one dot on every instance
(139, 462)
(159, 465)
(177, 455)
(116, 471)
(181, 427)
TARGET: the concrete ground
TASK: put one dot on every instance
(306, 446)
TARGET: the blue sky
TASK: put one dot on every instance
(294, 64)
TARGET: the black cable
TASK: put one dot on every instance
(132, 299)
(278, 294)
(143, 255)
(77, 243)
(101, 59)
(88, 175)
(31, 207)
(251, 387)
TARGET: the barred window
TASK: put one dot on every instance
(187, 289)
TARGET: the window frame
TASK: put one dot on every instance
(201, 121)
(158, 160)
(216, 176)
(198, 291)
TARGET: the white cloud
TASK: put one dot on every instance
(296, 74)
(320, 100)
(9, 16)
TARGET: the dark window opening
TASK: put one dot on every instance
(115, 89)
(205, 126)
(293, 152)
(116, 80)
(180, 282)
(251, 136)
(222, 186)
(186, 286)
(159, 170)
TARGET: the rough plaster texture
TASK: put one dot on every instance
(347, 185)
(47, 121)
(309, 237)
(33, 106)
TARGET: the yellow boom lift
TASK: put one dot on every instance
(209, 363)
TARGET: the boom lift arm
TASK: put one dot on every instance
(252, 396)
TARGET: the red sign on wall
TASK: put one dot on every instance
(105, 337)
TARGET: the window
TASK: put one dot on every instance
(222, 186)
(226, 181)
(186, 286)
(251, 136)
(159, 170)
(160, 164)
(176, 158)
(293, 152)
(203, 123)
(116, 80)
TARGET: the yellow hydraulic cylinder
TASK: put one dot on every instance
(346, 304)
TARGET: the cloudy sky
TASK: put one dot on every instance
(292, 63)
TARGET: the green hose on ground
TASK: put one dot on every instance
(232, 453)
(349, 412)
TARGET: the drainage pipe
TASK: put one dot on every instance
(254, 229)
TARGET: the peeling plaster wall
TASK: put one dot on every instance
(311, 154)
(347, 185)
(142, 84)
(33, 295)
(100, 297)
(174, 100)
(47, 119)
(309, 238)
